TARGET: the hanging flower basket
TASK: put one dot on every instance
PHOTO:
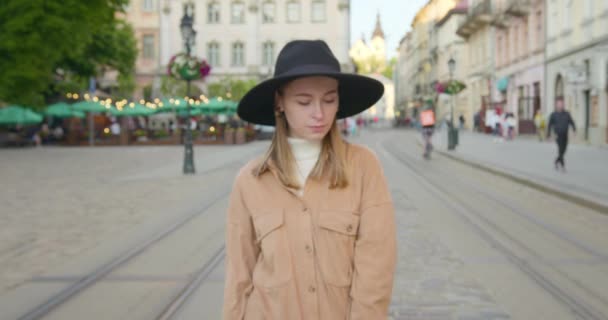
(184, 67)
(450, 87)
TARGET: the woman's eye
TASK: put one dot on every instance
(330, 101)
(303, 103)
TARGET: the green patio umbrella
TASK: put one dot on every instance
(171, 105)
(217, 106)
(12, 115)
(132, 109)
(89, 106)
(62, 110)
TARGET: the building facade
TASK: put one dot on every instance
(577, 64)
(417, 63)
(144, 16)
(519, 59)
(450, 46)
(370, 58)
(242, 39)
(478, 31)
(239, 39)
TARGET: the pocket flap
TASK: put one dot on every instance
(343, 222)
(266, 223)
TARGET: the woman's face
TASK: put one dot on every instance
(310, 105)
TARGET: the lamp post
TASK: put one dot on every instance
(188, 36)
(452, 134)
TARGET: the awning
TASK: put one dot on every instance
(502, 84)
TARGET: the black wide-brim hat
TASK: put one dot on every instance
(308, 58)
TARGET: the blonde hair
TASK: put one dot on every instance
(331, 163)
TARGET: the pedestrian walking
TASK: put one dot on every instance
(511, 123)
(310, 226)
(539, 123)
(560, 121)
(461, 122)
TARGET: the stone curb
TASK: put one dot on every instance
(593, 205)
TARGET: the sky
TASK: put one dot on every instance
(395, 15)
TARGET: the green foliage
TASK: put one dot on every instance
(236, 88)
(148, 92)
(388, 72)
(50, 46)
(171, 87)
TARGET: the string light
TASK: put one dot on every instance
(75, 96)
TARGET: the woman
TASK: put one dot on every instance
(310, 227)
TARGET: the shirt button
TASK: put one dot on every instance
(349, 228)
(305, 209)
(311, 289)
(308, 249)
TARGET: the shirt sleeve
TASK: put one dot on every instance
(375, 248)
(241, 256)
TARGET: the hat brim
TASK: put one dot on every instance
(357, 93)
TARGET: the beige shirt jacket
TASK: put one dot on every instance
(329, 254)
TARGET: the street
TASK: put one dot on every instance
(120, 233)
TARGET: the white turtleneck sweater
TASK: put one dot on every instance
(306, 154)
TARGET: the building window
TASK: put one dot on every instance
(559, 87)
(293, 11)
(213, 54)
(539, 29)
(148, 47)
(499, 53)
(516, 42)
(238, 54)
(525, 38)
(213, 12)
(588, 9)
(268, 12)
(318, 11)
(268, 54)
(567, 8)
(237, 12)
(148, 5)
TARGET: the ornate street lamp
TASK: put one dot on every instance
(188, 36)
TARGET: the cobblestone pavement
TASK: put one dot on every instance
(58, 203)
(61, 204)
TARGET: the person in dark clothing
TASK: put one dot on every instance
(560, 121)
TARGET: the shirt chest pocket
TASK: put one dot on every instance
(273, 267)
(336, 246)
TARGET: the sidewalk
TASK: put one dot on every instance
(531, 161)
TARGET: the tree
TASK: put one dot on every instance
(236, 88)
(47, 46)
(388, 72)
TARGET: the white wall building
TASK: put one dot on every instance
(577, 64)
(242, 39)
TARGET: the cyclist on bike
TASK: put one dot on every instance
(427, 120)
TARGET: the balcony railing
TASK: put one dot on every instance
(478, 16)
(518, 8)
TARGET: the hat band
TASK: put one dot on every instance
(311, 69)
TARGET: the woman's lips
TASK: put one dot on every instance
(319, 128)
